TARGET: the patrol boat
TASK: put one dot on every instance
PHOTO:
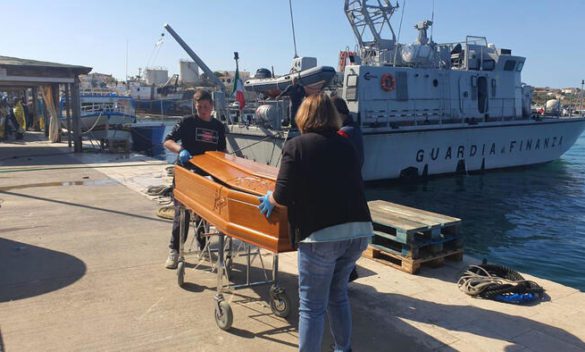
(424, 108)
(428, 108)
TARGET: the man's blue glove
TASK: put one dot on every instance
(184, 156)
(265, 205)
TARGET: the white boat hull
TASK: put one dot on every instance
(436, 150)
(476, 148)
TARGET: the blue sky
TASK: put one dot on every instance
(96, 33)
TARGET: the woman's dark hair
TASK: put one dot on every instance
(317, 113)
(340, 105)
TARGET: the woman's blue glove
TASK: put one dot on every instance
(184, 156)
(265, 205)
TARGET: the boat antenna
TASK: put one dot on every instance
(433, 20)
(399, 30)
(126, 79)
(292, 22)
(581, 107)
(237, 58)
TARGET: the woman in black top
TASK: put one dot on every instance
(320, 182)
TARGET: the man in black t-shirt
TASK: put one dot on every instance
(296, 93)
(197, 134)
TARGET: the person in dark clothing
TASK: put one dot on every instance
(198, 133)
(350, 129)
(27, 114)
(296, 93)
(320, 182)
(11, 125)
(353, 132)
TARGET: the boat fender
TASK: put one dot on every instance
(387, 82)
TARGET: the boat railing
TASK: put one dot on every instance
(97, 92)
(107, 108)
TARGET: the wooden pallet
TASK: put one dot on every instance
(409, 265)
(410, 225)
(413, 232)
(417, 249)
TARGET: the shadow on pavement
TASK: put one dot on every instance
(23, 156)
(380, 320)
(28, 271)
(383, 307)
(369, 332)
(79, 205)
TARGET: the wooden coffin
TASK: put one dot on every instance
(231, 204)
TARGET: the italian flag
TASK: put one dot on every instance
(238, 90)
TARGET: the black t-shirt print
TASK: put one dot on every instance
(206, 135)
(199, 136)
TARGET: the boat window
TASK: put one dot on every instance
(509, 65)
(519, 66)
(488, 65)
(351, 87)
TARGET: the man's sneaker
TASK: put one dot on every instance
(172, 260)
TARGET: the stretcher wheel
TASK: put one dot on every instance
(223, 315)
(280, 303)
(181, 273)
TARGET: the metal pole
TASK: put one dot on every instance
(581, 107)
(182, 231)
(248, 264)
(67, 107)
(76, 111)
(292, 22)
(35, 109)
(220, 264)
(275, 268)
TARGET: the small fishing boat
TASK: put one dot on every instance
(304, 69)
(105, 115)
(102, 110)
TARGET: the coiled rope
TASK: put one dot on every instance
(499, 283)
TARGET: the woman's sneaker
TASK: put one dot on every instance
(172, 260)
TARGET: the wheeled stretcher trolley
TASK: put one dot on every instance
(225, 206)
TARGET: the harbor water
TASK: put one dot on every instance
(531, 219)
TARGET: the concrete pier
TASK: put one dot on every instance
(81, 269)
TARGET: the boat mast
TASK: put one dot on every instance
(292, 22)
(581, 107)
(369, 21)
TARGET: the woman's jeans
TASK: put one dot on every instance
(324, 269)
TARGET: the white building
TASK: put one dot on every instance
(156, 75)
(188, 72)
